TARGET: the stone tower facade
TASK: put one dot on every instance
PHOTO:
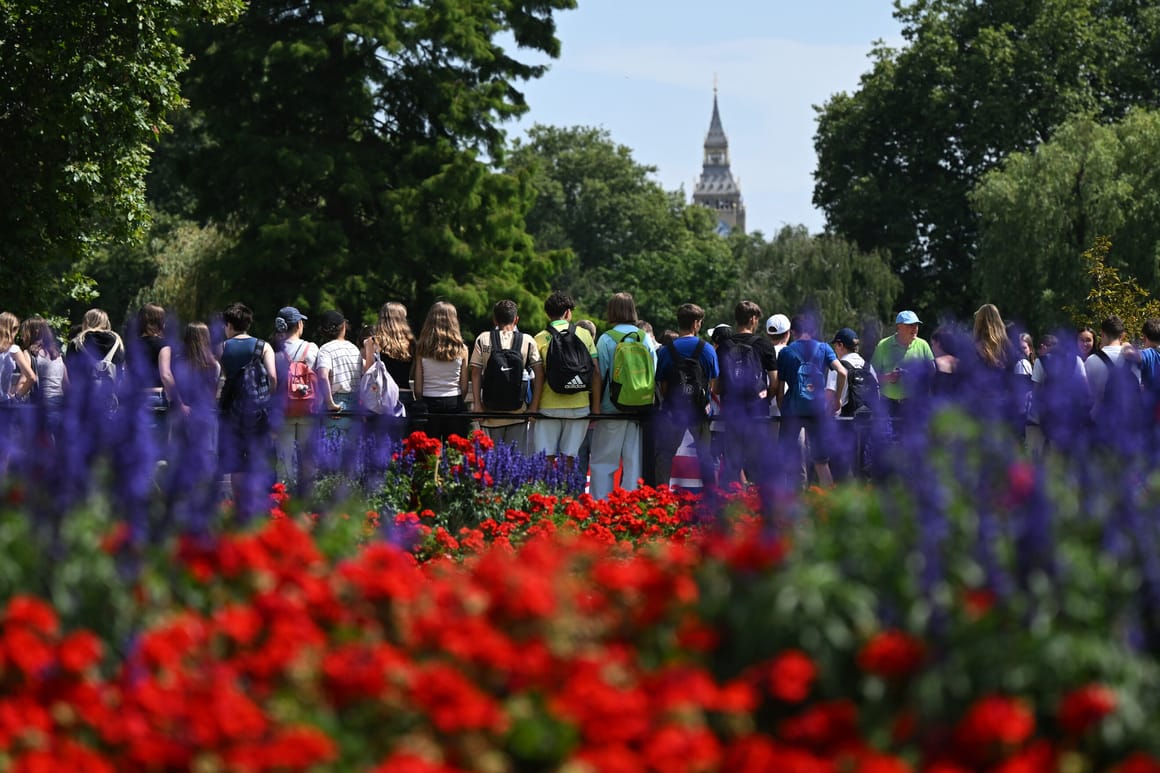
(717, 189)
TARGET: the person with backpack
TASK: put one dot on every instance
(245, 445)
(1114, 378)
(500, 359)
(858, 402)
(627, 362)
(571, 383)
(802, 367)
(393, 341)
(298, 399)
(1060, 395)
(687, 373)
(95, 359)
(748, 364)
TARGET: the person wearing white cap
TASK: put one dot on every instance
(777, 328)
(901, 361)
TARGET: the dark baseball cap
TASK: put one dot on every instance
(846, 337)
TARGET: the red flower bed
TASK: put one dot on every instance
(557, 652)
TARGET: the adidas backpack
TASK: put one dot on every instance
(743, 377)
(567, 362)
(633, 378)
(503, 376)
(688, 384)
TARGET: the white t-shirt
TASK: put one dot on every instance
(851, 360)
(774, 410)
(293, 351)
(1097, 373)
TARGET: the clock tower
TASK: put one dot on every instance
(716, 189)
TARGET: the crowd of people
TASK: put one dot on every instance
(759, 398)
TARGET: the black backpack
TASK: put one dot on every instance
(1122, 403)
(688, 384)
(743, 377)
(862, 394)
(503, 376)
(567, 363)
(246, 395)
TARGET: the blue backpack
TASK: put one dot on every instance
(811, 378)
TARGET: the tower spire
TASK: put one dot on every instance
(717, 189)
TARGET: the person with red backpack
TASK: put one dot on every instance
(298, 399)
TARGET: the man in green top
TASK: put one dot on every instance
(903, 362)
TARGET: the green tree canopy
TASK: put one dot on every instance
(1039, 211)
(975, 82)
(347, 141)
(85, 89)
(796, 271)
(622, 231)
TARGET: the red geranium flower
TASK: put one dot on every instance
(791, 675)
(892, 654)
(995, 720)
(1139, 763)
(1082, 709)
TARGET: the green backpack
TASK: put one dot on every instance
(633, 373)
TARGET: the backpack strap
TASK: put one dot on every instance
(109, 355)
(1105, 358)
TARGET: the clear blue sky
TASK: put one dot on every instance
(643, 70)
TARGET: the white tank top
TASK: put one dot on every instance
(441, 379)
(50, 376)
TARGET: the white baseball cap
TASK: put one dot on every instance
(777, 324)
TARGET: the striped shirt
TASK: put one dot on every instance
(344, 361)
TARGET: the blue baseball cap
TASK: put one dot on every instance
(907, 317)
(292, 315)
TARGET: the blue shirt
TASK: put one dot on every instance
(1150, 369)
(788, 362)
(685, 346)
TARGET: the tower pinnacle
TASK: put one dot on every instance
(716, 189)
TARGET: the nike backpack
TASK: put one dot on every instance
(503, 376)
